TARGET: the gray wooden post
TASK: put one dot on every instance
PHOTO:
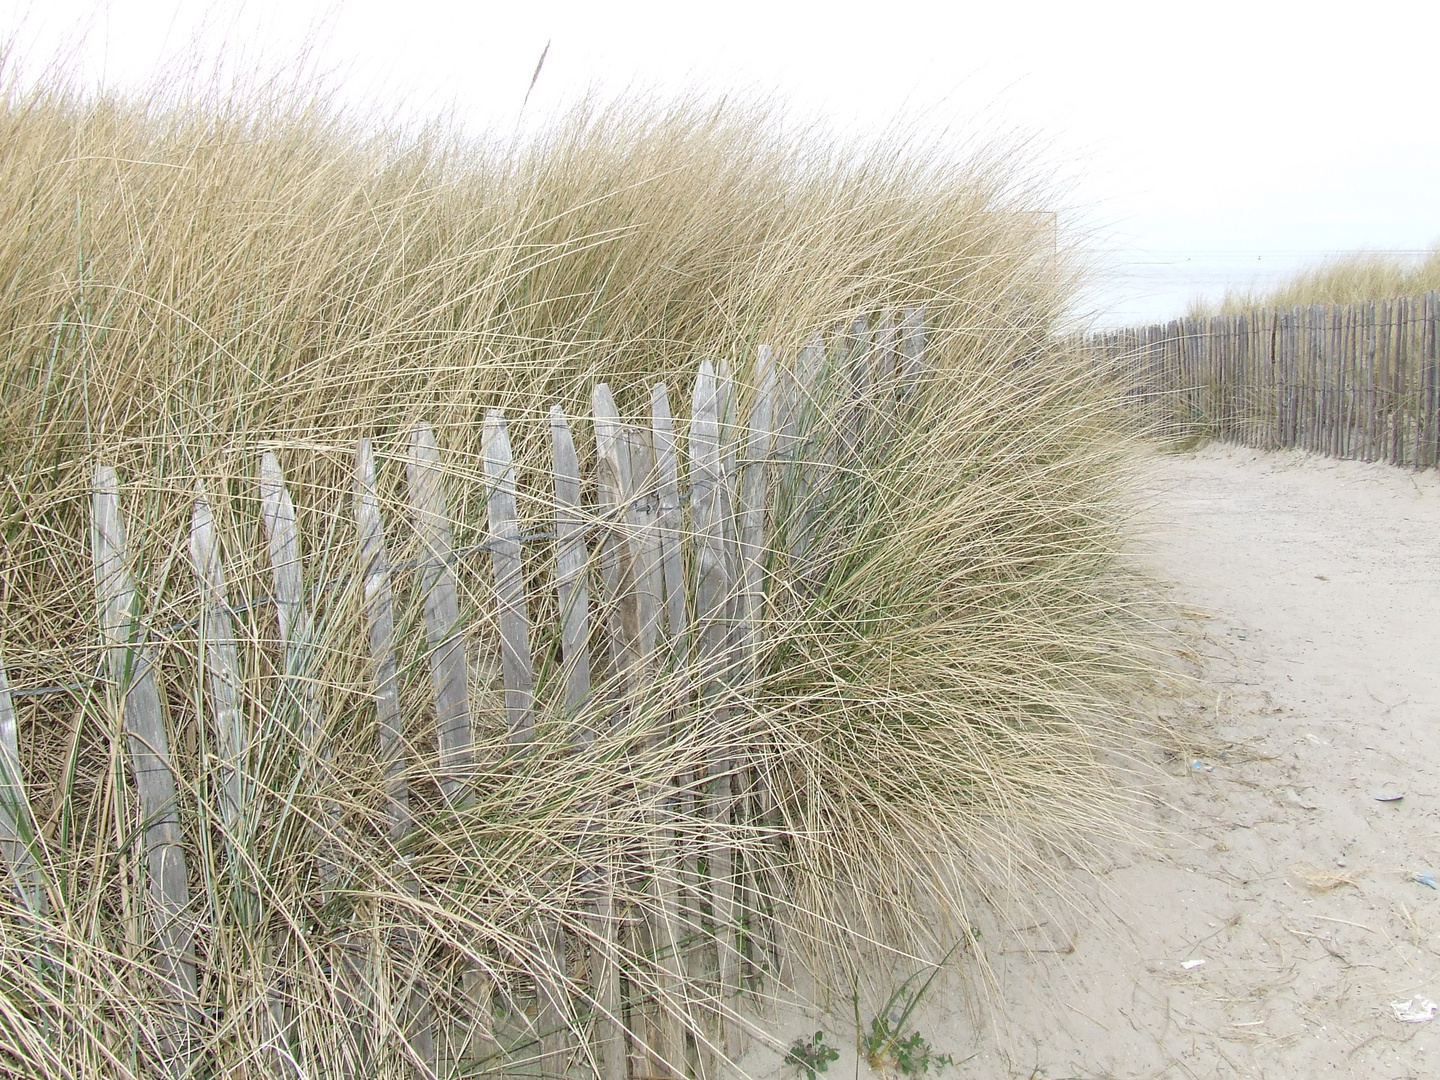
(132, 680)
(443, 633)
(912, 349)
(642, 511)
(297, 633)
(572, 588)
(505, 560)
(754, 489)
(617, 563)
(17, 823)
(808, 443)
(668, 521)
(379, 603)
(222, 667)
(669, 862)
(519, 678)
(379, 606)
(709, 516)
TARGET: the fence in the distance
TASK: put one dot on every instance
(1348, 380)
(669, 569)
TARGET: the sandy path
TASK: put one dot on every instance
(1312, 593)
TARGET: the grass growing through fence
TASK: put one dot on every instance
(186, 282)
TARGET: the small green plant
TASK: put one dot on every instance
(886, 1047)
(812, 1055)
(888, 1053)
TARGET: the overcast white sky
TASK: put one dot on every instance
(1209, 144)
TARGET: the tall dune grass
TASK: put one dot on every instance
(186, 285)
(1344, 279)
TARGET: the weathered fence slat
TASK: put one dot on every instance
(707, 512)
(808, 446)
(709, 518)
(659, 1018)
(912, 348)
(17, 823)
(609, 1028)
(617, 563)
(297, 630)
(617, 568)
(645, 543)
(754, 489)
(133, 681)
(443, 633)
(515, 654)
(882, 351)
(552, 1005)
(297, 633)
(552, 1000)
(668, 935)
(378, 599)
(379, 606)
(856, 362)
(221, 662)
(668, 521)
(572, 588)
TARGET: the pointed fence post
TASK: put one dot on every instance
(669, 862)
(379, 606)
(668, 521)
(754, 489)
(133, 681)
(649, 472)
(612, 467)
(754, 502)
(442, 616)
(809, 439)
(221, 662)
(572, 588)
(515, 655)
(856, 363)
(642, 510)
(553, 1009)
(379, 601)
(882, 351)
(617, 562)
(297, 633)
(912, 349)
(884, 381)
(17, 823)
(710, 514)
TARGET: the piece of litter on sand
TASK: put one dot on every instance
(1292, 796)
(1387, 796)
(1427, 879)
(1415, 1011)
(1190, 965)
(1199, 766)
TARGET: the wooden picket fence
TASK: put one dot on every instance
(655, 571)
(1347, 380)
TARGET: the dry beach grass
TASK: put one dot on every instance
(188, 282)
(1344, 279)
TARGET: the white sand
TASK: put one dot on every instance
(1312, 598)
